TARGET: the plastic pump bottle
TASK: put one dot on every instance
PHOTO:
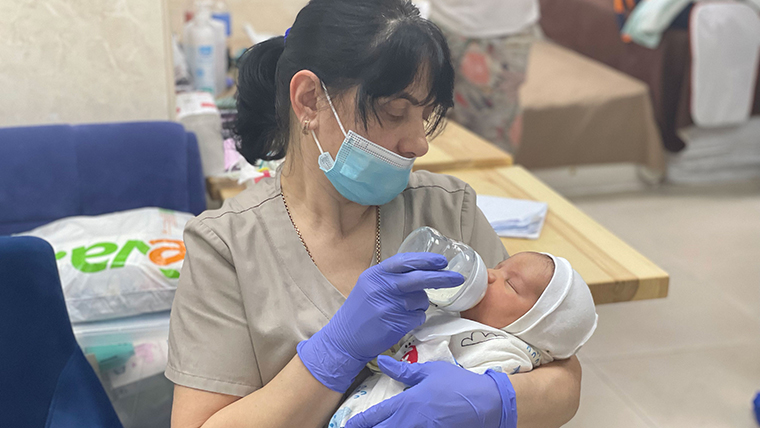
(205, 47)
(462, 259)
(221, 13)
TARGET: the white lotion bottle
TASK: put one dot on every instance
(204, 44)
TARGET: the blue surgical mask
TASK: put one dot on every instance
(364, 172)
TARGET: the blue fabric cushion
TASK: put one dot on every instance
(196, 182)
(39, 355)
(38, 175)
(77, 402)
(51, 172)
(21, 226)
(125, 166)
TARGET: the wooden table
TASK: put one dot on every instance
(614, 271)
(458, 148)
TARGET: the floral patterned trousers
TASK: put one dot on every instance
(489, 73)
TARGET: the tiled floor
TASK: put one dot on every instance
(692, 359)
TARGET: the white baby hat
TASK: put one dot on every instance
(563, 318)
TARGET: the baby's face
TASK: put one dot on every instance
(513, 288)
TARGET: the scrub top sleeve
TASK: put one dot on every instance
(210, 346)
(478, 233)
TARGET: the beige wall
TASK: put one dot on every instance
(87, 61)
(266, 16)
(81, 61)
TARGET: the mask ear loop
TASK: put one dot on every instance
(319, 146)
(325, 160)
(335, 113)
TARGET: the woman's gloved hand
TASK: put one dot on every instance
(442, 395)
(387, 302)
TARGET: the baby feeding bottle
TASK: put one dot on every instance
(462, 259)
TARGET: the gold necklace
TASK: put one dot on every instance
(298, 231)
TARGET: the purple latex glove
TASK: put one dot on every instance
(442, 395)
(386, 303)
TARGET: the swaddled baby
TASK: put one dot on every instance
(536, 309)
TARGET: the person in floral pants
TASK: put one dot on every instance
(489, 73)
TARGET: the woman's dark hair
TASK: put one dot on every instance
(379, 46)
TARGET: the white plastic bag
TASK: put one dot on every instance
(119, 264)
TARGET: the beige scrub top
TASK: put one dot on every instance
(249, 292)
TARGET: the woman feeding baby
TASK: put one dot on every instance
(292, 287)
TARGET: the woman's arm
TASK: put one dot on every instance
(294, 398)
(549, 395)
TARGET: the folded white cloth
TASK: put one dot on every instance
(514, 218)
(563, 318)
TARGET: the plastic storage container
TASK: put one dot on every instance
(131, 356)
(462, 259)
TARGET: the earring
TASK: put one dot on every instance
(305, 128)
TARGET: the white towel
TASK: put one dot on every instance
(514, 218)
(563, 318)
(725, 39)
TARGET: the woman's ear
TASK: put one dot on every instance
(303, 96)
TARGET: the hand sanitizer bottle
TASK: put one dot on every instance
(462, 259)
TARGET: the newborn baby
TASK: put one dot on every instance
(536, 309)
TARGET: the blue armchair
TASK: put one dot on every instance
(45, 380)
(51, 172)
